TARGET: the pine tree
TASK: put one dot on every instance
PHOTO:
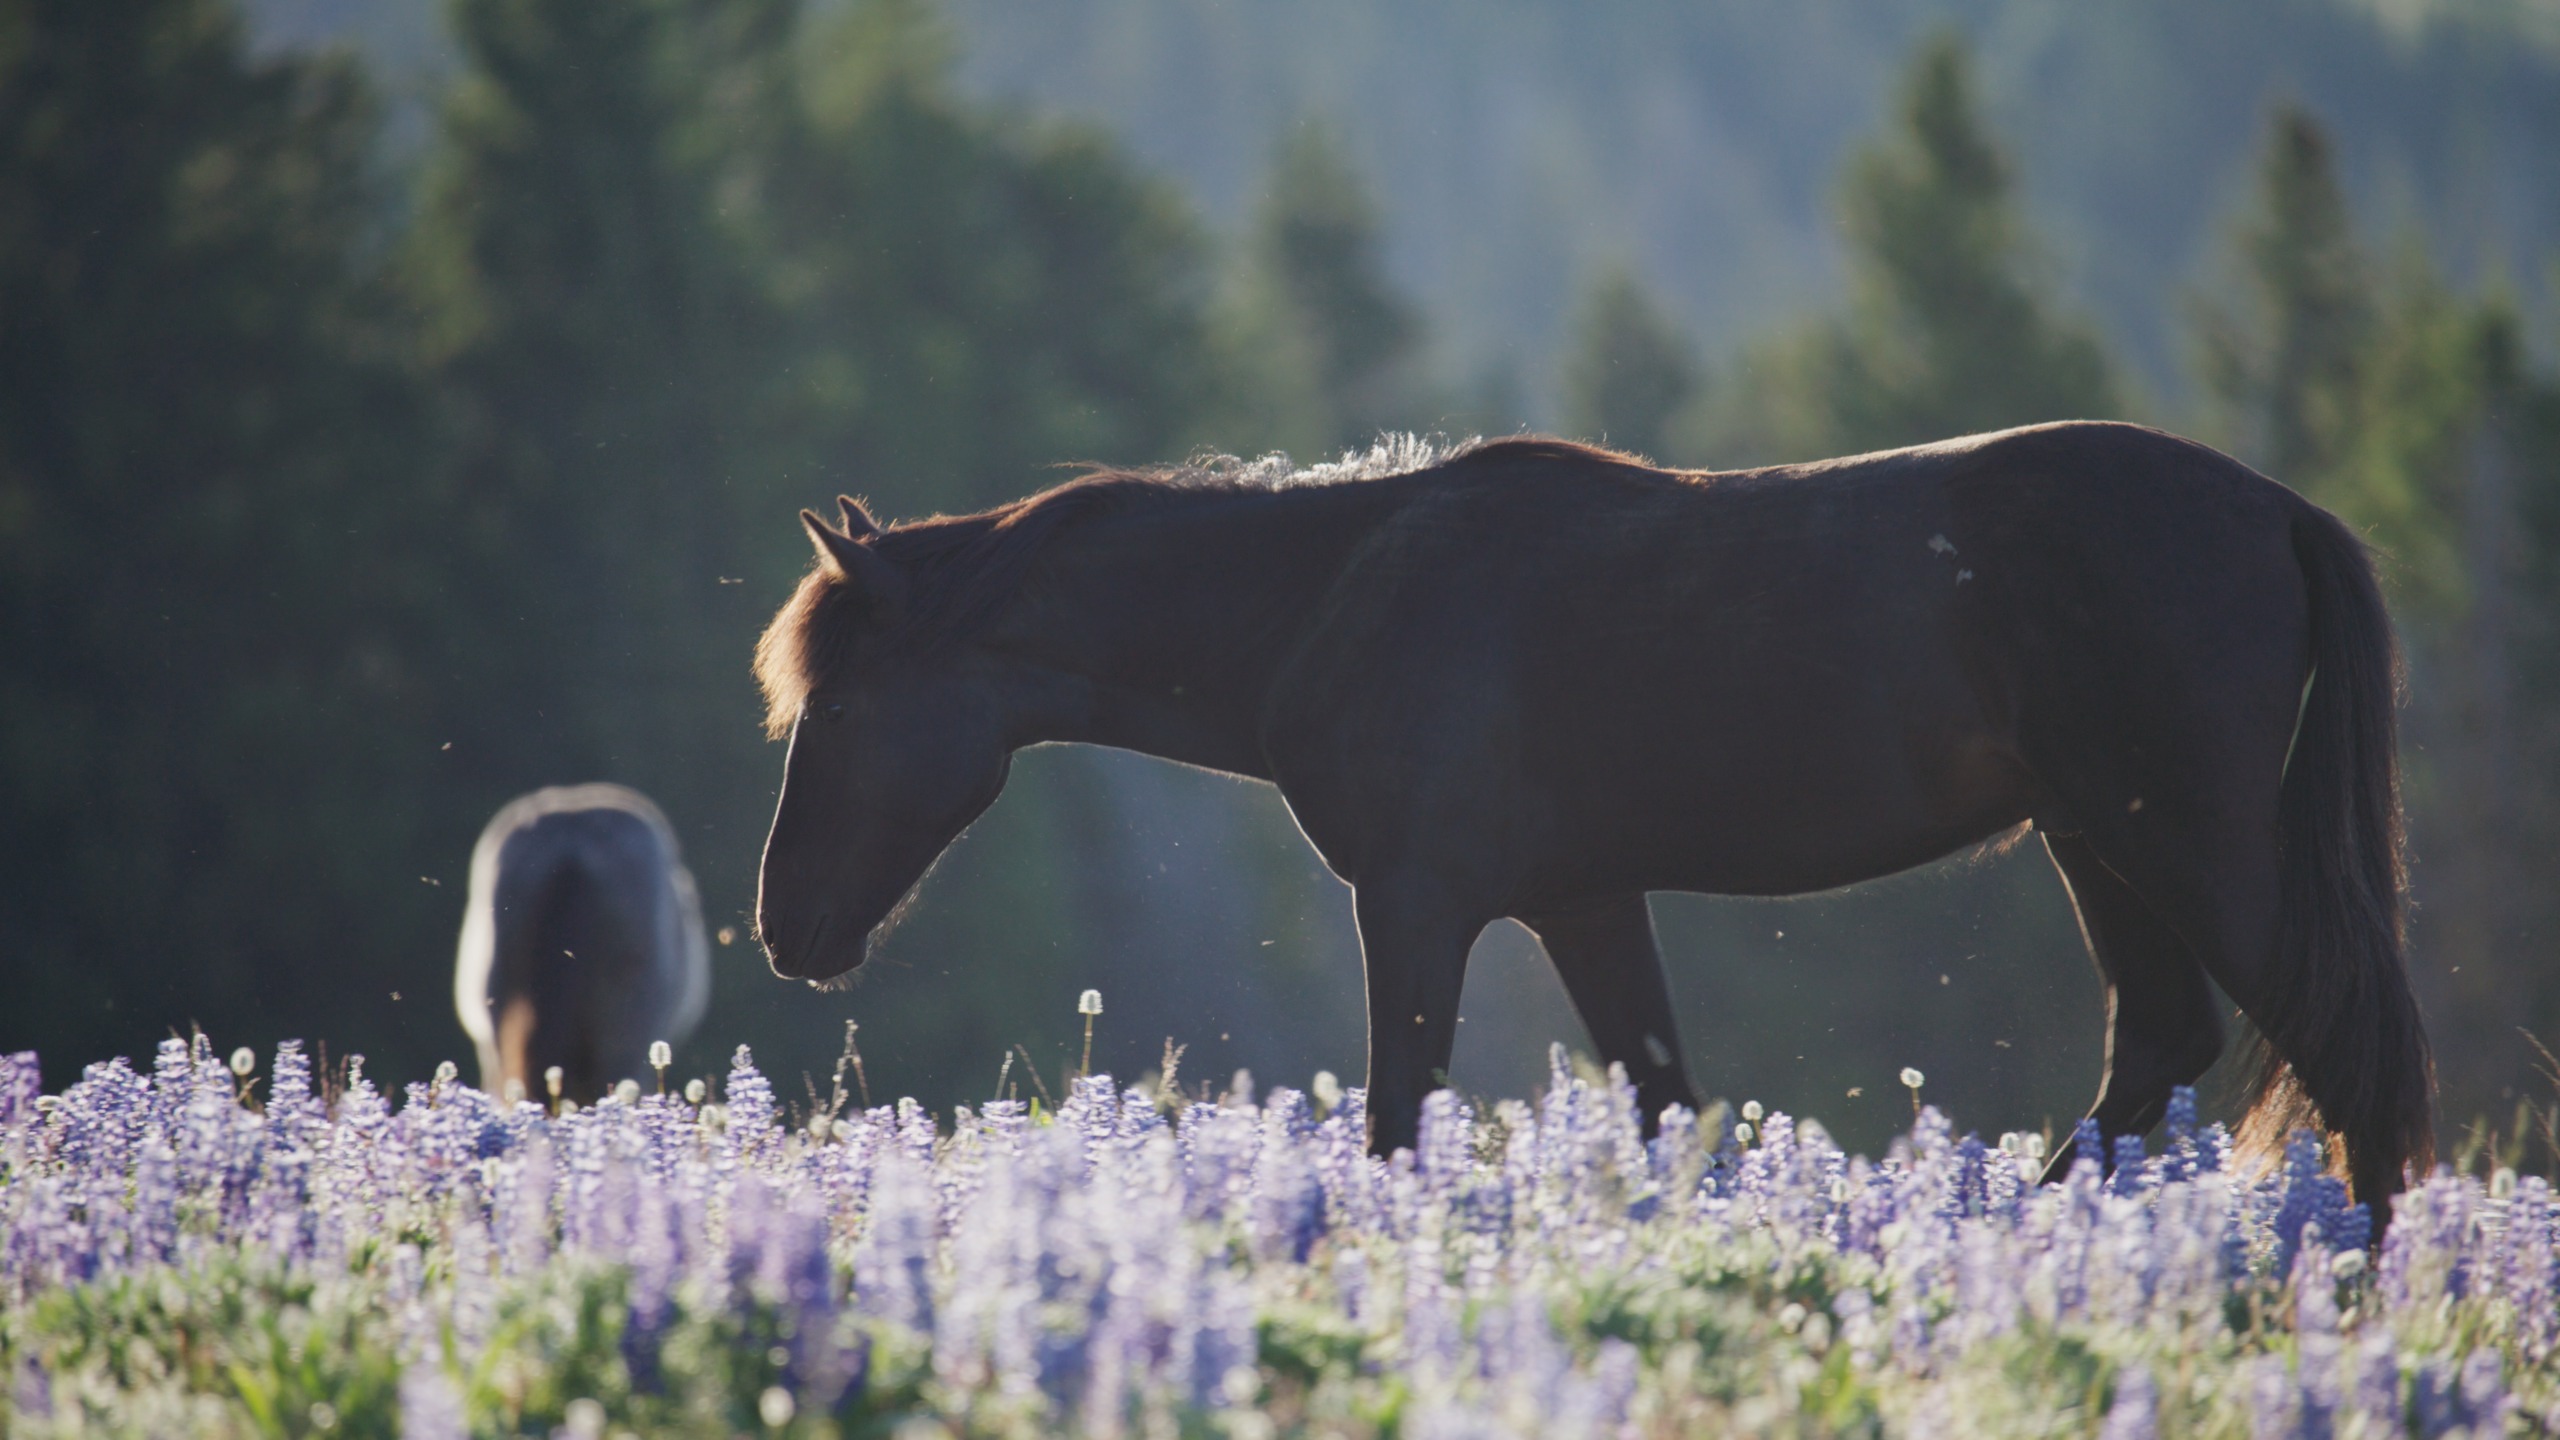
(2283, 364)
(2408, 408)
(1949, 330)
(978, 299)
(217, 667)
(1336, 343)
(1630, 370)
(595, 258)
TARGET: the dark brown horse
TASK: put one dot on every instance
(1536, 680)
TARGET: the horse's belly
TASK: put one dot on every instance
(1777, 789)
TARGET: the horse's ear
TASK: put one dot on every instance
(857, 521)
(855, 562)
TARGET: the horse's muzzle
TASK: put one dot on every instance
(830, 949)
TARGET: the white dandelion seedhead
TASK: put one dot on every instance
(627, 1091)
(243, 1060)
(551, 1081)
(694, 1090)
(1912, 1079)
(1327, 1088)
(661, 1055)
(1752, 1111)
(446, 1073)
(1089, 1003)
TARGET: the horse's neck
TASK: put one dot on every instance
(1159, 629)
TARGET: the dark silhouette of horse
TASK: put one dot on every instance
(582, 942)
(1537, 680)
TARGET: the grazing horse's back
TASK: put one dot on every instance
(582, 942)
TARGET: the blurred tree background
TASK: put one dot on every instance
(388, 430)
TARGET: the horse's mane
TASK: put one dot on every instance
(962, 568)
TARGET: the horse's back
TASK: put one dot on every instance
(1763, 681)
(583, 939)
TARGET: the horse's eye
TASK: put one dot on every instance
(832, 710)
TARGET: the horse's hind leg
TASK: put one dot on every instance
(2162, 1027)
(1612, 968)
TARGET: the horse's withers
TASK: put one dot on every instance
(582, 941)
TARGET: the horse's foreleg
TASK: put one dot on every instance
(1413, 950)
(1611, 966)
(2162, 1028)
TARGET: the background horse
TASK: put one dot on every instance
(582, 941)
(1537, 680)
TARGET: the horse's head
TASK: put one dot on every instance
(894, 750)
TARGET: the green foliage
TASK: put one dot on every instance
(1324, 346)
(1630, 369)
(977, 300)
(328, 525)
(1948, 331)
(2282, 366)
(220, 629)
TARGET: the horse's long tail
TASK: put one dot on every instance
(2341, 1038)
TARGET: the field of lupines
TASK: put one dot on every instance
(206, 1251)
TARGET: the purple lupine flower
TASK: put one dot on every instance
(2087, 1143)
(2134, 1414)
(2130, 1162)
(753, 1126)
(2526, 1262)
(2311, 1197)
(893, 1261)
(21, 1081)
(173, 1082)
(521, 1207)
(101, 1119)
(2376, 1392)
(1092, 1110)
(430, 1404)
(293, 1112)
(2485, 1402)
(155, 1203)
(2180, 1122)
(915, 1131)
(1443, 1146)
(1005, 1122)
(1969, 1193)
(1287, 1208)
(2275, 1401)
